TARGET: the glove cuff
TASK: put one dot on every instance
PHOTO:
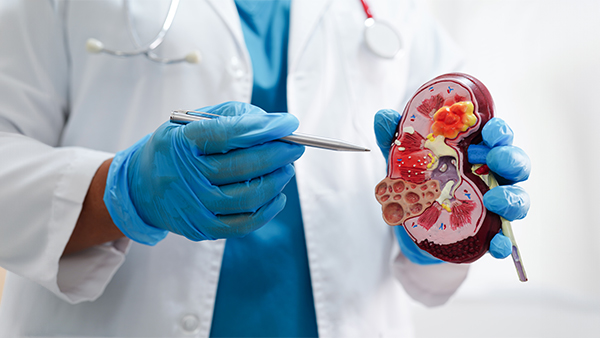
(119, 204)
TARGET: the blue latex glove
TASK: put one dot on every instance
(209, 179)
(510, 165)
(386, 123)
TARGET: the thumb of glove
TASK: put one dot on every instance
(385, 125)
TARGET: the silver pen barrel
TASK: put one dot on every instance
(182, 117)
(322, 142)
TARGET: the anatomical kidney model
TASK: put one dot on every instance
(431, 188)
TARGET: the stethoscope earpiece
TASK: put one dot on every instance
(193, 57)
(94, 46)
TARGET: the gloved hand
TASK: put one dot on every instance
(209, 179)
(510, 165)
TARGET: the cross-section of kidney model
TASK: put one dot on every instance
(431, 188)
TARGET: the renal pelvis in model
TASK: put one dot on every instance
(431, 188)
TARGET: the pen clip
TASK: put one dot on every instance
(197, 113)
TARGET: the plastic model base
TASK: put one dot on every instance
(431, 188)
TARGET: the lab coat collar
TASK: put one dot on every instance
(228, 13)
(303, 21)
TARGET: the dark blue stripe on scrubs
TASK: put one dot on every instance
(264, 289)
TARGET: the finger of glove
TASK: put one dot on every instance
(232, 108)
(385, 125)
(509, 201)
(245, 164)
(497, 133)
(510, 162)
(477, 153)
(248, 196)
(225, 133)
(239, 225)
(500, 246)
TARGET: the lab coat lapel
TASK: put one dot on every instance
(228, 13)
(304, 17)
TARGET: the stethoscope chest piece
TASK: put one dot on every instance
(382, 39)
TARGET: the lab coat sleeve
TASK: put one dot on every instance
(431, 285)
(433, 53)
(43, 185)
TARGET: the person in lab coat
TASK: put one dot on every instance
(113, 221)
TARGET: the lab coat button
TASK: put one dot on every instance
(190, 323)
(236, 68)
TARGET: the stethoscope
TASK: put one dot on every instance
(380, 37)
(96, 46)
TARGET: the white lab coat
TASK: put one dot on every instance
(64, 111)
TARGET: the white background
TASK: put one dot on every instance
(541, 62)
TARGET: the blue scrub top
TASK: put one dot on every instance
(265, 289)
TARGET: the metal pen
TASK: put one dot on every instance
(187, 116)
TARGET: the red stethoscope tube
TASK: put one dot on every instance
(367, 9)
